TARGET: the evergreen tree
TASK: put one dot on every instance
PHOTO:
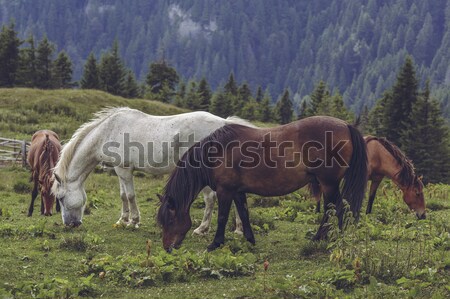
(339, 110)
(284, 108)
(244, 93)
(302, 110)
(180, 95)
(44, 64)
(220, 105)
(27, 74)
(131, 86)
(112, 73)
(231, 86)
(250, 110)
(377, 114)
(62, 71)
(398, 107)
(265, 110)
(90, 78)
(426, 141)
(259, 94)
(161, 73)
(9, 55)
(319, 95)
(205, 95)
(193, 97)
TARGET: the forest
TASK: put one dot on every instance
(356, 47)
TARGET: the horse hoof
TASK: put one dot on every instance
(200, 231)
(133, 225)
(212, 246)
(239, 232)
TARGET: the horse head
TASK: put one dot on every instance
(175, 224)
(72, 199)
(413, 197)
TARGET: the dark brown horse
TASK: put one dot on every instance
(42, 158)
(387, 160)
(235, 160)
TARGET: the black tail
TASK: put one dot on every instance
(355, 178)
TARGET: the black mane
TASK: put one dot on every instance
(193, 173)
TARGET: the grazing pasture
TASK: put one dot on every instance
(389, 253)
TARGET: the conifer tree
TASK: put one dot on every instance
(265, 110)
(90, 78)
(44, 64)
(284, 108)
(302, 110)
(161, 73)
(221, 105)
(193, 97)
(62, 71)
(131, 86)
(9, 55)
(399, 105)
(319, 95)
(231, 86)
(204, 92)
(112, 73)
(426, 141)
(259, 94)
(180, 95)
(27, 74)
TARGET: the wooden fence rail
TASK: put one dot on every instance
(13, 151)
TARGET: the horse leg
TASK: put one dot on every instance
(332, 196)
(242, 209)
(34, 194)
(58, 206)
(125, 214)
(42, 205)
(239, 226)
(224, 199)
(126, 178)
(208, 196)
(373, 191)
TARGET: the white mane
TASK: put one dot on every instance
(69, 148)
(237, 120)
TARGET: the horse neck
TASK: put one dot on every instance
(387, 165)
(84, 159)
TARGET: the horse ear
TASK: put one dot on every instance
(58, 179)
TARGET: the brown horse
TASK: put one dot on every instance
(42, 158)
(387, 160)
(235, 160)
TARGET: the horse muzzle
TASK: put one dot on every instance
(421, 216)
(76, 223)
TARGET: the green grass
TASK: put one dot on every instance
(398, 255)
(388, 254)
(24, 111)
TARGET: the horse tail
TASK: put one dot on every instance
(46, 161)
(355, 178)
(314, 190)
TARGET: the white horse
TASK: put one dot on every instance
(130, 140)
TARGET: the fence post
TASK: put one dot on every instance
(24, 153)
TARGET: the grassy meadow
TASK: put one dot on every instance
(387, 254)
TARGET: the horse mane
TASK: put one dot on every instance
(407, 174)
(69, 148)
(193, 173)
(47, 161)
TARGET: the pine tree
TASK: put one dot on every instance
(44, 64)
(339, 110)
(250, 110)
(62, 71)
(90, 78)
(131, 86)
(231, 86)
(180, 95)
(377, 115)
(399, 105)
(426, 141)
(265, 110)
(161, 73)
(284, 108)
(205, 95)
(27, 74)
(220, 105)
(319, 94)
(112, 73)
(9, 55)
(302, 110)
(193, 97)
(259, 94)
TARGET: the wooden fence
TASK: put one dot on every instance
(13, 151)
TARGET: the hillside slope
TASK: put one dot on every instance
(24, 111)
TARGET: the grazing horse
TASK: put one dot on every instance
(42, 157)
(235, 160)
(387, 160)
(128, 140)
